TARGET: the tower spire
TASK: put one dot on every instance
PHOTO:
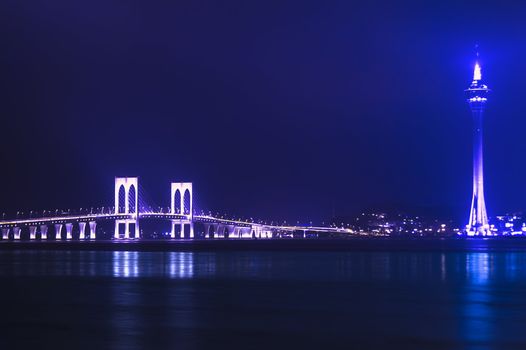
(477, 73)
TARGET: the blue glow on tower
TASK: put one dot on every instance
(477, 97)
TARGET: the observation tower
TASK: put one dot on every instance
(477, 96)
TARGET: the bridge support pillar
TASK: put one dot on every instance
(116, 233)
(82, 230)
(256, 232)
(43, 232)
(5, 234)
(127, 224)
(32, 232)
(213, 233)
(92, 229)
(137, 232)
(177, 224)
(58, 232)
(231, 231)
(191, 230)
(182, 232)
(172, 232)
(241, 232)
(16, 232)
(69, 230)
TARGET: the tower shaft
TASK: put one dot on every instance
(478, 219)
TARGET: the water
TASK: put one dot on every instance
(262, 300)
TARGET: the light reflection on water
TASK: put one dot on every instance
(125, 264)
(134, 264)
(478, 268)
(458, 299)
(118, 264)
(477, 311)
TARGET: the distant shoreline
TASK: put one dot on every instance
(338, 245)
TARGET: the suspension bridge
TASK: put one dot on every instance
(127, 216)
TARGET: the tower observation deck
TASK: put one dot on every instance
(477, 96)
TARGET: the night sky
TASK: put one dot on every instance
(274, 109)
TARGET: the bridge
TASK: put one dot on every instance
(127, 216)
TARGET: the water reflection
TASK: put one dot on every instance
(118, 264)
(477, 313)
(478, 267)
(443, 273)
(135, 264)
(125, 264)
(456, 300)
(475, 269)
(142, 308)
(181, 265)
(381, 266)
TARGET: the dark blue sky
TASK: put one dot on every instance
(274, 109)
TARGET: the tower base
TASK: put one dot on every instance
(483, 230)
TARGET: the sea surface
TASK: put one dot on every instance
(262, 300)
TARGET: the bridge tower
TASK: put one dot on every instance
(182, 199)
(127, 206)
